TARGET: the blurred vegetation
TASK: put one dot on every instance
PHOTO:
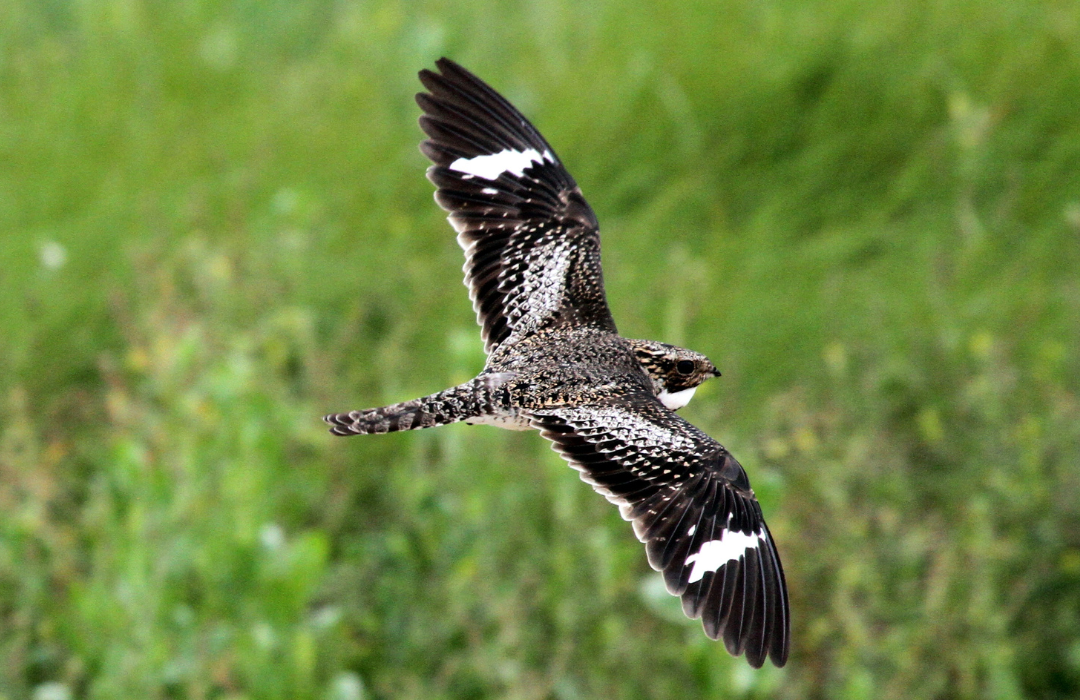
(214, 228)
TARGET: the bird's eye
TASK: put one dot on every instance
(684, 366)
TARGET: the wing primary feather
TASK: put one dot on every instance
(780, 637)
(665, 551)
(497, 101)
(447, 113)
(698, 592)
(449, 93)
(733, 625)
(755, 645)
(477, 96)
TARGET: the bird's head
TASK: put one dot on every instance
(675, 372)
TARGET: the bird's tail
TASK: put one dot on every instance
(469, 400)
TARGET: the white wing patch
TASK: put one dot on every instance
(676, 399)
(490, 167)
(715, 553)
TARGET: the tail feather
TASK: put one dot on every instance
(468, 400)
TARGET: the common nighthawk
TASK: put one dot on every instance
(556, 363)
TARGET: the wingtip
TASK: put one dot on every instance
(779, 651)
(444, 66)
(441, 63)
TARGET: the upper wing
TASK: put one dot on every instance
(532, 243)
(691, 504)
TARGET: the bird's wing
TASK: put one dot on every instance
(532, 243)
(691, 504)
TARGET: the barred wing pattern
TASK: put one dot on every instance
(531, 241)
(690, 502)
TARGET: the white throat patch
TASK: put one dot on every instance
(676, 399)
(490, 167)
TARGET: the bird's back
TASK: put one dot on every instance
(569, 365)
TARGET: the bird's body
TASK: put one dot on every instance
(568, 366)
(556, 363)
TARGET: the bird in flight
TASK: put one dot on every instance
(557, 364)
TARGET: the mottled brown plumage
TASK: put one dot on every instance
(556, 363)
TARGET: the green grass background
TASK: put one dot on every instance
(214, 228)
